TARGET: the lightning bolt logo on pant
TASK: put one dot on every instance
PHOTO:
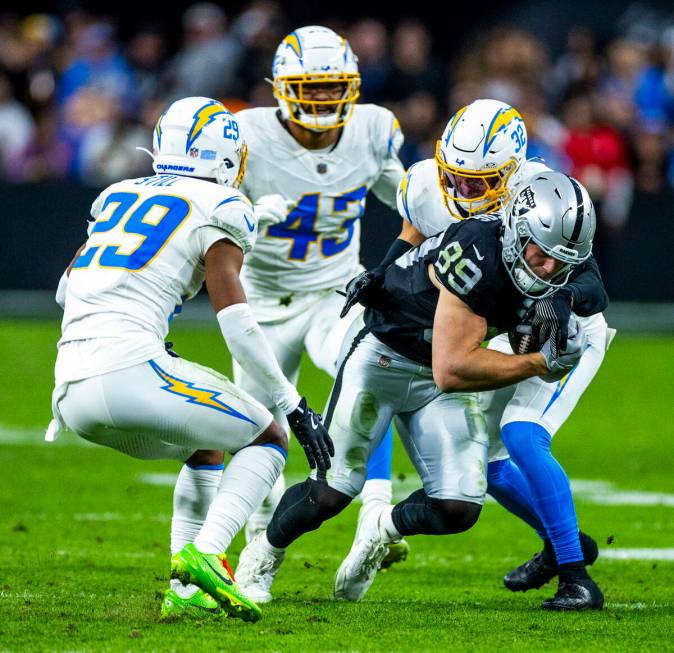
(196, 395)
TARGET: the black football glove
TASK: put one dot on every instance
(362, 288)
(550, 317)
(312, 435)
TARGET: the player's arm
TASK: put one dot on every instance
(62, 287)
(460, 363)
(587, 290)
(364, 287)
(391, 170)
(249, 347)
(583, 295)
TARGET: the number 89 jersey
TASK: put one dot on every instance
(317, 246)
(144, 256)
(466, 260)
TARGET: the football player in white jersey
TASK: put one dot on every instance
(323, 153)
(152, 243)
(480, 164)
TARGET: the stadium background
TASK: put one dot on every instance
(84, 531)
(80, 89)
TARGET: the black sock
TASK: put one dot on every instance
(549, 553)
(572, 572)
(303, 508)
(420, 514)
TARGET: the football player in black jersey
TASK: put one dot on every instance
(522, 419)
(419, 360)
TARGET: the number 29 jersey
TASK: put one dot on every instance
(144, 256)
(317, 246)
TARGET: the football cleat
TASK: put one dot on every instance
(397, 552)
(358, 570)
(258, 564)
(583, 594)
(198, 605)
(212, 573)
(541, 569)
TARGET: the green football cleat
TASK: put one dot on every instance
(397, 552)
(198, 606)
(211, 572)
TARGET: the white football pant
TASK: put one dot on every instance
(164, 408)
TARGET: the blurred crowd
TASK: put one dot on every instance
(76, 101)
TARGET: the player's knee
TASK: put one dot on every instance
(205, 457)
(273, 434)
(455, 516)
(303, 508)
(522, 439)
(331, 501)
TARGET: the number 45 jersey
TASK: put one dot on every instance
(317, 246)
(466, 260)
(144, 256)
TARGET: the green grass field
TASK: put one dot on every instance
(84, 534)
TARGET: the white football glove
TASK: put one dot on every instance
(272, 209)
(561, 361)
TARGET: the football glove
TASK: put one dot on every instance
(561, 361)
(550, 317)
(271, 210)
(362, 288)
(312, 435)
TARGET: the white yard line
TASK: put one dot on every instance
(594, 491)
(637, 554)
(602, 493)
(31, 436)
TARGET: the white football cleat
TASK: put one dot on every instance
(369, 548)
(260, 519)
(258, 563)
(398, 550)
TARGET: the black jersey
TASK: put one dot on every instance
(467, 261)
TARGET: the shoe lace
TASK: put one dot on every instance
(371, 560)
(537, 564)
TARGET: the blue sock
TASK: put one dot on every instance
(529, 446)
(507, 485)
(379, 465)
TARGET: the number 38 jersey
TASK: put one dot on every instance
(144, 256)
(467, 261)
(317, 246)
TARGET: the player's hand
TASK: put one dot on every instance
(312, 435)
(561, 361)
(362, 288)
(550, 317)
(168, 346)
(271, 210)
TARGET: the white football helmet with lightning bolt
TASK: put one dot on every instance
(480, 157)
(315, 56)
(199, 137)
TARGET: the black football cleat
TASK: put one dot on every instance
(542, 568)
(583, 594)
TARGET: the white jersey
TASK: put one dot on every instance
(317, 247)
(144, 256)
(421, 203)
